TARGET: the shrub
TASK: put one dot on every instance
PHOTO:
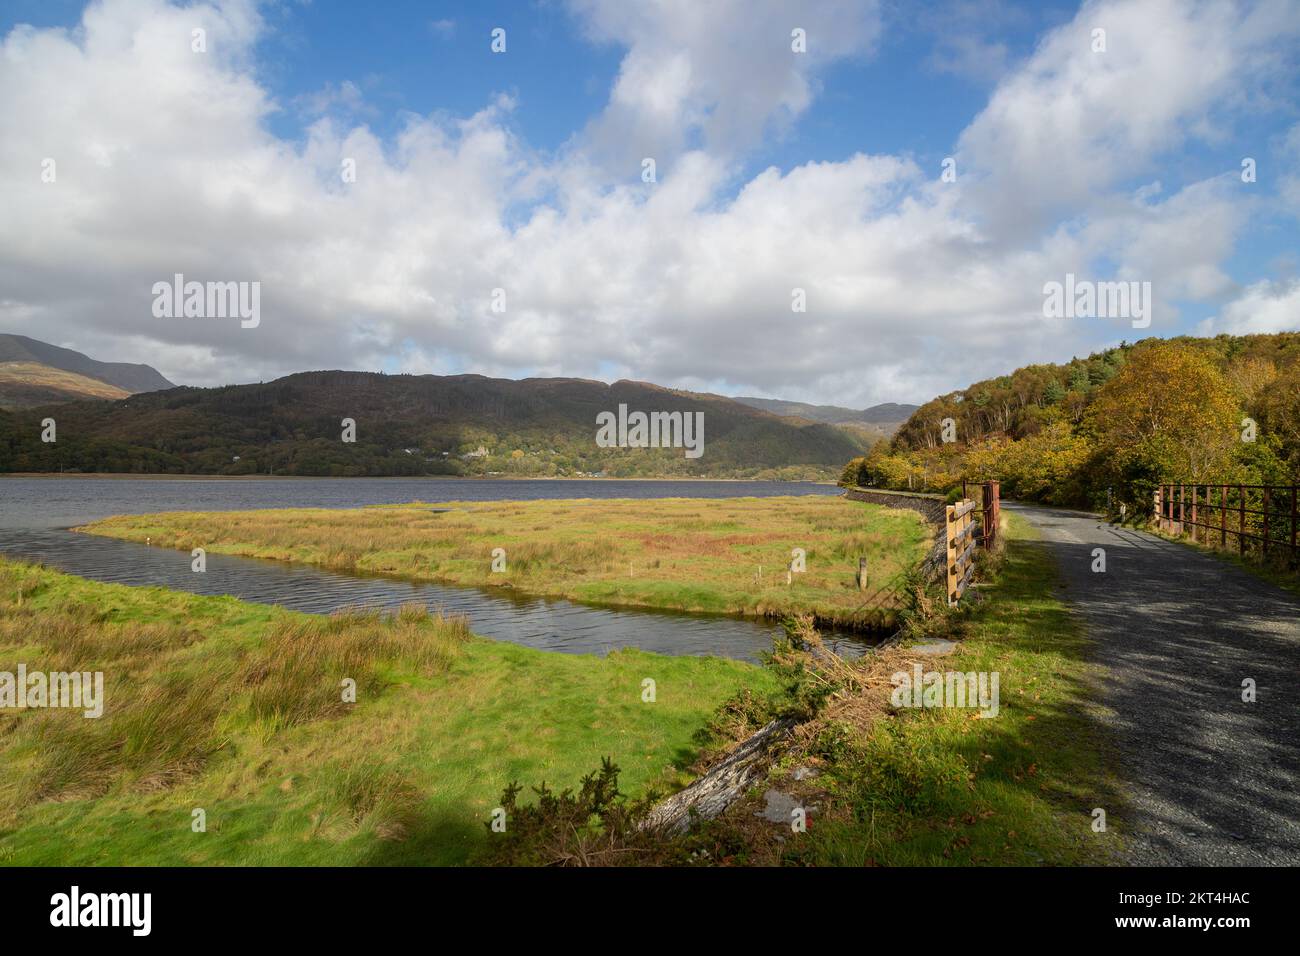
(594, 827)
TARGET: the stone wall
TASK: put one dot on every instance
(931, 507)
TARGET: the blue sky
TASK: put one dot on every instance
(424, 57)
(521, 171)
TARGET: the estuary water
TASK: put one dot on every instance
(37, 513)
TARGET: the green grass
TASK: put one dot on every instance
(720, 556)
(936, 787)
(234, 708)
(229, 706)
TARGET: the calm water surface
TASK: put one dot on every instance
(36, 513)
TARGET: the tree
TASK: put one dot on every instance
(1169, 409)
(854, 472)
(1278, 411)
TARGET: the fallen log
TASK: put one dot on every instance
(720, 787)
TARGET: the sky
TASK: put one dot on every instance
(411, 200)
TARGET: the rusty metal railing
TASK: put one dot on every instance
(990, 510)
(1258, 517)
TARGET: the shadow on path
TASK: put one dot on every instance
(1212, 780)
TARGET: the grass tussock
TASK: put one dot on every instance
(377, 798)
(298, 673)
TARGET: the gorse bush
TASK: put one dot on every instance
(597, 826)
(805, 687)
(904, 770)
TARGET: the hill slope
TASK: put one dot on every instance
(1223, 410)
(29, 384)
(889, 414)
(408, 425)
(124, 375)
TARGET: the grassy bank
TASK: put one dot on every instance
(940, 786)
(718, 555)
(236, 709)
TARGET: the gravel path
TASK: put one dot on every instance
(1213, 781)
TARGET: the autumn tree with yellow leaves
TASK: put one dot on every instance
(1168, 413)
(1110, 427)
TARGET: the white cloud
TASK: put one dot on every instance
(1072, 123)
(714, 75)
(1262, 307)
(345, 99)
(166, 164)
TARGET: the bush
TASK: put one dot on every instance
(594, 827)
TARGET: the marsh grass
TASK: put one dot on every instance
(296, 675)
(237, 708)
(168, 710)
(719, 556)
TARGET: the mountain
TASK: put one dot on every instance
(34, 372)
(28, 384)
(890, 415)
(410, 425)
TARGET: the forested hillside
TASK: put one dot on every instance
(1223, 409)
(411, 425)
